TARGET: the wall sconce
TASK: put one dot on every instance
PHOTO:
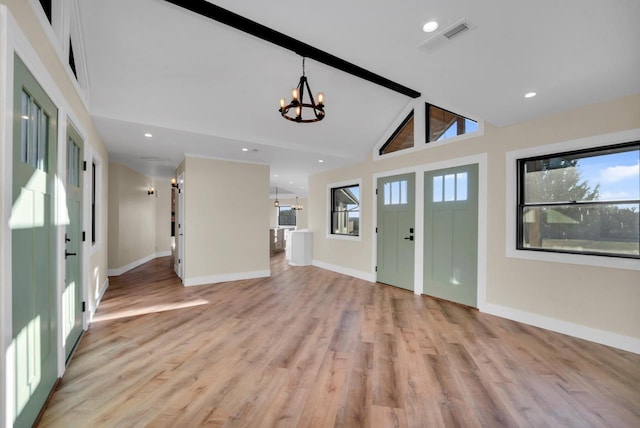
(151, 191)
(174, 183)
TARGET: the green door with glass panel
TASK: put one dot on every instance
(33, 248)
(451, 234)
(395, 230)
(72, 294)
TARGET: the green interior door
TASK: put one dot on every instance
(72, 295)
(33, 249)
(451, 234)
(396, 223)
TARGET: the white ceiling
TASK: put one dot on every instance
(205, 89)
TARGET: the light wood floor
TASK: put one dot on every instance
(311, 348)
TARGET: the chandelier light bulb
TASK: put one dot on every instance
(294, 93)
(320, 98)
(282, 103)
(298, 110)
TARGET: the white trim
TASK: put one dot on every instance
(511, 202)
(7, 363)
(329, 235)
(119, 271)
(92, 311)
(366, 276)
(213, 279)
(626, 343)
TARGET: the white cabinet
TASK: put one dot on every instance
(301, 251)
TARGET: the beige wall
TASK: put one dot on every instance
(226, 220)
(132, 231)
(597, 298)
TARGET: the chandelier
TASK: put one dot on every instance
(297, 107)
(297, 206)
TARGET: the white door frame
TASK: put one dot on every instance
(180, 228)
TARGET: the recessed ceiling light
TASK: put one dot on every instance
(430, 27)
(320, 160)
(244, 149)
(291, 182)
(530, 95)
(275, 175)
(148, 135)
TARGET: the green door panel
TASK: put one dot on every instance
(396, 220)
(72, 294)
(33, 248)
(451, 234)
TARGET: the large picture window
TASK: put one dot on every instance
(345, 210)
(585, 202)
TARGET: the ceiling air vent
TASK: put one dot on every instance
(446, 36)
(456, 30)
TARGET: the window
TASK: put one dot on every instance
(450, 187)
(395, 193)
(345, 210)
(46, 7)
(442, 124)
(35, 133)
(72, 60)
(585, 202)
(286, 216)
(73, 163)
(401, 139)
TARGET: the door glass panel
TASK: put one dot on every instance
(450, 187)
(73, 163)
(43, 136)
(437, 188)
(461, 186)
(25, 115)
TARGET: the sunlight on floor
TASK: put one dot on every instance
(148, 310)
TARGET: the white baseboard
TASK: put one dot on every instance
(626, 343)
(101, 292)
(212, 279)
(345, 271)
(119, 271)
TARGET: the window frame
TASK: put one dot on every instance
(511, 213)
(340, 185)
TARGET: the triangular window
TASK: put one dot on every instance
(46, 6)
(443, 124)
(402, 137)
(72, 61)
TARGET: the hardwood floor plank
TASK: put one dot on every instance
(311, 348)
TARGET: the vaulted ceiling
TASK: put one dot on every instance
(203, 88)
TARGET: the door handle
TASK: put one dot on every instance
(67, 254)
(410, 238)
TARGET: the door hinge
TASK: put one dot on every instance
(84, 306)
(84, 236)
(179, 261)
(376, 268)
(376, 191)
(84, 165)
(376, 230)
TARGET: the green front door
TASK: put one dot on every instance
(395, 230)
(33, 251)
(451, 234)
(72, 295)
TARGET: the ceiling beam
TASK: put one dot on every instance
(224, 16)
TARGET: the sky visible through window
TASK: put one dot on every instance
(618, 175)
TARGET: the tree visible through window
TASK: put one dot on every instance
(286, 216)
(582, 202)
